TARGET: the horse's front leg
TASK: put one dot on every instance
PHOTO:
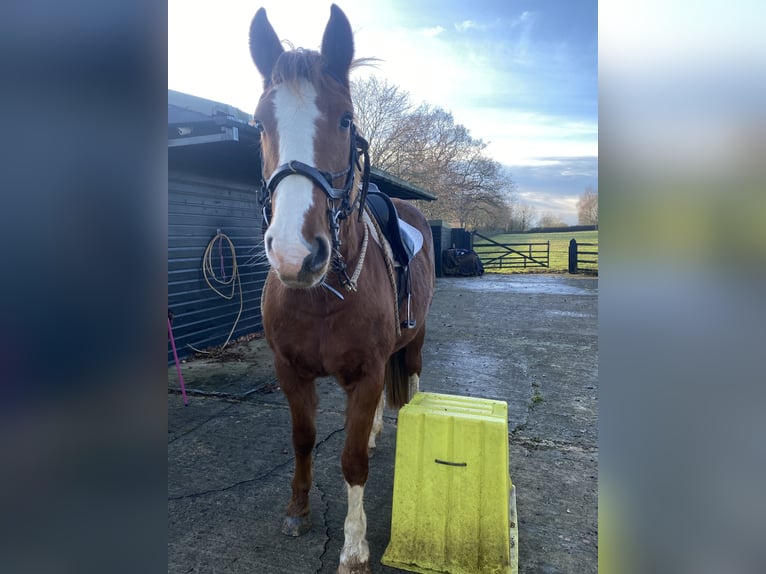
(363, 399)
(301, 395)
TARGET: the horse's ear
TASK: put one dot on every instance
(265, 46)
(338, 45)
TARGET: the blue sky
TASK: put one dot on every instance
(521, 75)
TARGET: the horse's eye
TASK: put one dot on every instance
(257, 124)
(345, 121)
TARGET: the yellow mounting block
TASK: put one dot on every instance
(454, 508)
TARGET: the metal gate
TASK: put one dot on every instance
(496, 255)
(583, 260)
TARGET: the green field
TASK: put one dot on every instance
(559, 254)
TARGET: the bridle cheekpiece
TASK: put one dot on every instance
(339, 204)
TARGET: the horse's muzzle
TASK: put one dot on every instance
(312, 269)
(316, 262)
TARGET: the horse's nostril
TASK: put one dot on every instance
(269, 242)
(317, 259)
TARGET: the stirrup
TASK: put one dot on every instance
(410, 323)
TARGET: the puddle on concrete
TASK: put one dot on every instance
(478, 370)
(545, 285)
(565, 313)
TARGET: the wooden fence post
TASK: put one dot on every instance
(573, 256)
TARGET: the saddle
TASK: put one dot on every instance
(404, 239)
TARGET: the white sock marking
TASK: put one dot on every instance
(377, 422)
(414, 383)
(355, 548)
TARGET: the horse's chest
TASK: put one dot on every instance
(327, 346)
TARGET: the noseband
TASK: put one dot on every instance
(339, 204)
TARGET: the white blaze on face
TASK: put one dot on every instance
(296, 115)
(355, 548)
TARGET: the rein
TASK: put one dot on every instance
(339, 204)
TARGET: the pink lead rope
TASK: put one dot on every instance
(178, 365)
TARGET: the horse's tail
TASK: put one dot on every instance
(397, 381)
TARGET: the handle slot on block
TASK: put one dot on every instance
(437, 461)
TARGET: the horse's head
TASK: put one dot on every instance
(308, 145)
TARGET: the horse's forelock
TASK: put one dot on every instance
(296, 65)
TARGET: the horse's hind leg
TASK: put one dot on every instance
(301, 395)
(377, 423)
(363, 399)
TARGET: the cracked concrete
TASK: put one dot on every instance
(511, 338)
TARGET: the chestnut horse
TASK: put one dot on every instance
(332, 304)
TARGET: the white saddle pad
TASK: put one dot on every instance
(411, 237)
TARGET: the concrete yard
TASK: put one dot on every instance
(529, 340)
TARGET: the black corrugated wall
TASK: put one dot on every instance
(197, 208)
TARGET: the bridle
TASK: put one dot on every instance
(339, 204)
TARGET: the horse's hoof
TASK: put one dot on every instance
(296, 525)
(354, 568)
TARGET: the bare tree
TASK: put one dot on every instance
(423, 145)
(381, 113)
(548, 219)
(522, 217)
(486, 194)
(587, 207)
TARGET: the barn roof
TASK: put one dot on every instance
(215, 139)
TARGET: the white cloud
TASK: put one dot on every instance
(431, 32)
(468, 25)
(548, 202)
(526, 18)
(523, 138)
